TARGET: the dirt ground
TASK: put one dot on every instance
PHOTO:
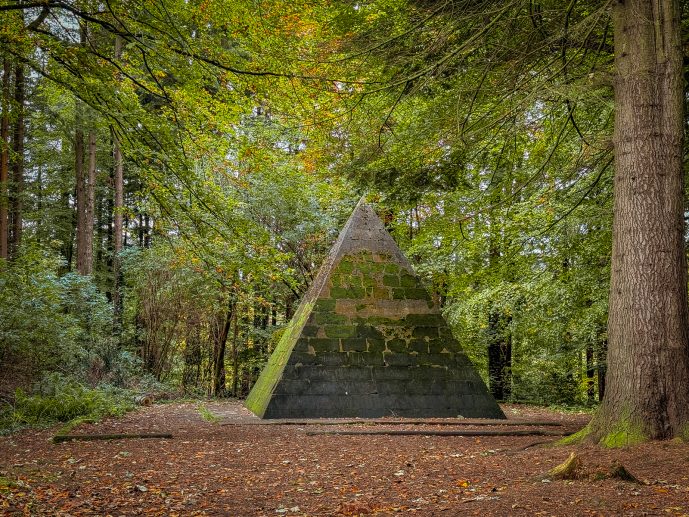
(237, 466)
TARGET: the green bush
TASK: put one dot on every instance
(51, 323)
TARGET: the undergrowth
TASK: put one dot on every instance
(68, 402)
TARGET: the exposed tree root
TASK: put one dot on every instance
(573, 468)
(566, 470)
(618, 471)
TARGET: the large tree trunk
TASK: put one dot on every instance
(18, 159)
(86, 185)
(4, 158)
(647, 384)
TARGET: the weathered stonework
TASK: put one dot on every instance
(368, 341)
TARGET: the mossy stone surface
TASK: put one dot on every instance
(369, 341)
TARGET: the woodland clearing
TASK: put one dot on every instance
(236, 465)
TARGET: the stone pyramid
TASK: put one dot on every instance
(368, 341)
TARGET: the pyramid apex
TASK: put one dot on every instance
(364, 230)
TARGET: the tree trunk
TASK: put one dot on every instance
(602, 367)
(118, 209)
(192, 355)
(80, 192)
(147, 231)
(18, 159)
(85, 185)
(647, 384)
(235, 358)
(68, 225)
(4, 159)
(218, 386)
(90, 202)
(590, 376)
(499, 356)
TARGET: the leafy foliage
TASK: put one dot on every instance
(247, 136)
(62, 399)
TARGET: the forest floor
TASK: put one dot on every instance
(236, 466)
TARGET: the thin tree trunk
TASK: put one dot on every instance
(648, 343)
(100, 214)
(289, 306)
(18, 159)
(4, 159)
(147, 231)
(499, 338)
(140, 230)
(118, 210)
(68, 223)
(125, 224)
(602, 367)
(90, 202)
(80, 192)
(39, 195)
(590, 376)
(192, 355)
(218, 387)
(235, 358)
(499, 356)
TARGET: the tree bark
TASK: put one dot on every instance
(85, 202)
(80, 192)
(147, 231)
(118, 209)
(601, 367)
(590, 375)
(499, 355)
(235, 358)
(218, 385)
(4, 159)
(647, 384)
(192, 355)
(90, 202)
(18, 159)
(85, 185)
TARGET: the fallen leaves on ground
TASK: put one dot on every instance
(211, 469)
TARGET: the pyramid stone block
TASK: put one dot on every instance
(368, 341)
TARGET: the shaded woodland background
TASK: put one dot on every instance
(174, 172)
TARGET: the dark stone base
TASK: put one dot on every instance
(373, 392)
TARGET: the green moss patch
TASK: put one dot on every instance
(260, 395)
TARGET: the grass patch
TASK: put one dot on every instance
(575, 438)
(208, 415)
